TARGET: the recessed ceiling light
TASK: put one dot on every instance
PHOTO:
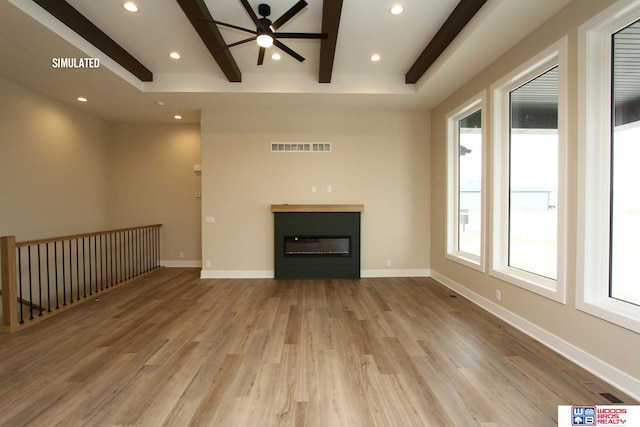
(82, 99)
(177, 117)
(130, 6)
(396, 9)
(174, 55)
(375, 57)
(276, 57)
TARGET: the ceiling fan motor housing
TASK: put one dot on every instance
(264, 10)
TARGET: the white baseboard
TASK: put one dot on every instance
(603, 370)
(236, 274)
(269, 274)
(181, 263)
(395, 273)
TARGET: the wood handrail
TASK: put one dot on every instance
(78, 236)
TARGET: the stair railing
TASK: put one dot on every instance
(46, 276)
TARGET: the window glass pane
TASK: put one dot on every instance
(470, 184)
(625, 170)
(533, 175)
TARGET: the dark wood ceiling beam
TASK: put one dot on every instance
(198, 14)
(331, 11)
(73, 19)
(459, 18)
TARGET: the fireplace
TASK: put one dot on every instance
(317, 246)
(316, 241)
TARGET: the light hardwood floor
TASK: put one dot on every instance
(174, 350)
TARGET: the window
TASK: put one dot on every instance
(608, 207)
(624, 277)
(533, 175)
(465, 225)
(529, 167)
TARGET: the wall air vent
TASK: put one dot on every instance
(300, 147)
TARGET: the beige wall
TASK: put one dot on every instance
(379, 159)
(53, 166)
(151, 180)
(64, 171)
(604, 341)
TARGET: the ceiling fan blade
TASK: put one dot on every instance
(288, 14)
(251, 13)
(236, 43)
(301, 35)
(261, 55)
(288, 50)
(235, 27)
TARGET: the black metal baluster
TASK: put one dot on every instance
(131, 258)
(153, 247)
(77, 271)
(139, 241)
(146, 249)
(84, 268)
(95, 262)
(70, 274)
(134, 252)
(48, 281)
(110, 240)
(64, 290)
(125, 259)
(20, 282)
(143, 252)
(55, 258)
(84, 263)
(98, 262)
(30, 286)
(118, 239)
(39, 281)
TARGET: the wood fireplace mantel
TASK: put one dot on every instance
(317, 208)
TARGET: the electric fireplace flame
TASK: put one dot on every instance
(317, 245)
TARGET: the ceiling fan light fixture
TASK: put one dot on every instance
(265, 40)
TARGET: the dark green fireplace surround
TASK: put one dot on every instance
(302, 223)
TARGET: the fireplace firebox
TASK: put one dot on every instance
(317, 246)
(317, 241)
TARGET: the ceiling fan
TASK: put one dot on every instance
(265, 32)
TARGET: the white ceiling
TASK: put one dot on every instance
(30, 38)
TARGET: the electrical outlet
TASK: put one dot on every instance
(388, 263)
(207, 264)
(314, 189)
(181, 254)
(329, 189)
(498, 294)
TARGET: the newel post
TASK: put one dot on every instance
(9, 286)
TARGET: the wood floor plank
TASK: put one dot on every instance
(176, 350)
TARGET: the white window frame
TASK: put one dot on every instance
(594, 155)
(453, 202)
(555, 55)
